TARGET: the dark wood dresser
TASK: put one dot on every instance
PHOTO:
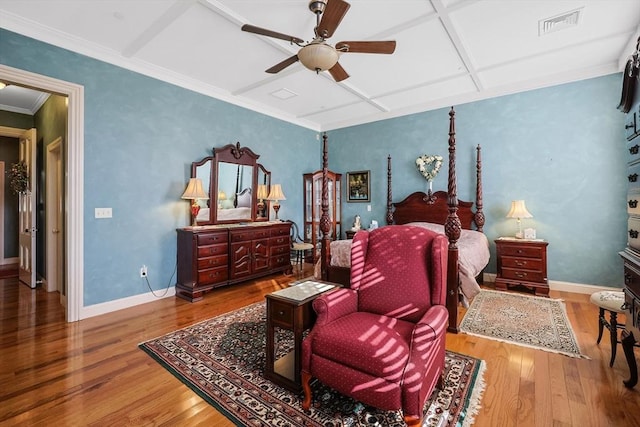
(522, 262)
(219, 255)
(631, 254)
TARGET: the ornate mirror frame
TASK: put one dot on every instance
(231, 178)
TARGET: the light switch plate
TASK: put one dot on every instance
(103, 213)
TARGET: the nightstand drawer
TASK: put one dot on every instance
(281, 314)
(523, 263)
(522, 251)
(524, 275)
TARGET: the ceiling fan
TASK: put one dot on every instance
(317, 55)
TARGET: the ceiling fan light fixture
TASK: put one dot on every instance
(318, 56)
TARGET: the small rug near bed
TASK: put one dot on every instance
(521, 319)
(222, 360)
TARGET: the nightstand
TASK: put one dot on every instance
(350, 234)
(522, 262)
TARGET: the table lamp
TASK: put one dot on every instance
(221, 196)
(194, 192)
(518, 211)
(274, 195)
(261, 196)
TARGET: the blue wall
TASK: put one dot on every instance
(141, 136)
(561, 149)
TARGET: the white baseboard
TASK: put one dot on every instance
(555, 285)
(110, 306)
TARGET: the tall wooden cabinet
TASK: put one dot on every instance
(218, 255)
(631, 253)
(313, 208)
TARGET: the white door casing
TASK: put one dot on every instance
(74, 179)
(54, 219)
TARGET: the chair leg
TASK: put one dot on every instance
(306, 387)
(601, 321)
(613, 325)
(412, 420)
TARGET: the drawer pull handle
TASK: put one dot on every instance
(521, 263)
(281, 313)
(627, 279)
(633, 177)
(633, 234)
(519, 251)
(521, 274)
(633, 204)
(634, 149)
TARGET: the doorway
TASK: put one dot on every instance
(73, 270)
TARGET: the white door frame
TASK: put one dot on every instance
(54, 228)
(74, 179)
(2, 260)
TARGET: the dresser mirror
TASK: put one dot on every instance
(237, 186)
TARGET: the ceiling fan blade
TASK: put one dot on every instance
(263, 32)
(282, 65)
(387, 47)
(338, 73)
(331, 17)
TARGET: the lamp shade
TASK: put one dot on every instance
(262, 192)
(318, 56)
(222, 195)
(194, 190)
(518, 210)
(276, 193)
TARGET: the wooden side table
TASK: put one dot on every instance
(522, 262)
(291, 309)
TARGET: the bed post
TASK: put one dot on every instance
(452, 229)
(325, 222)
(389, 217)
(478, 217)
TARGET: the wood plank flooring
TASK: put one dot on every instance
(91, 373)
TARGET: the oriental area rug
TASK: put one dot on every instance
(526, 320)
(222, 359)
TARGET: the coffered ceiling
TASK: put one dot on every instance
(448, 51)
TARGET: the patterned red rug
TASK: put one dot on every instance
(222, 360)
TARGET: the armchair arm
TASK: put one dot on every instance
(335, 304)
(431, 326)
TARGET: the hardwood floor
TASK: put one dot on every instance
(92, 373)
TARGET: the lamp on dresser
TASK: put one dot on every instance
(518, 211)
(261, 195)
(275, 195)
(195, 192)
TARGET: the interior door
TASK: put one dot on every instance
(27, 212)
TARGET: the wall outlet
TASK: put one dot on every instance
(103, 213)
(143, 271)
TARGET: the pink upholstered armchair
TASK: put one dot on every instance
(382, 341)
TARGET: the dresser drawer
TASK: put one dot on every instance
(633, 233)
(214, 275)
(521, 251)
(633, 176)
(279, 261)
(278, 250)
(632, 304)
(633, 202)
(281, 230)
(279, 241)
(212, 238)
(208, 251)
(245, 235)
(211, 262)
(523, 263)
(281, 314)
(524, 275)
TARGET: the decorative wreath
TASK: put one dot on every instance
(18, 177)
(429, 166)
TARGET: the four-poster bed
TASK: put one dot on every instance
(456, 218)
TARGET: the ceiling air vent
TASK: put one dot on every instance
(559, 22)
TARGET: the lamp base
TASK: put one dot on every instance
(195, 209)
(276, 208)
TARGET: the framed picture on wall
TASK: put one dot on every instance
(358, 186)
